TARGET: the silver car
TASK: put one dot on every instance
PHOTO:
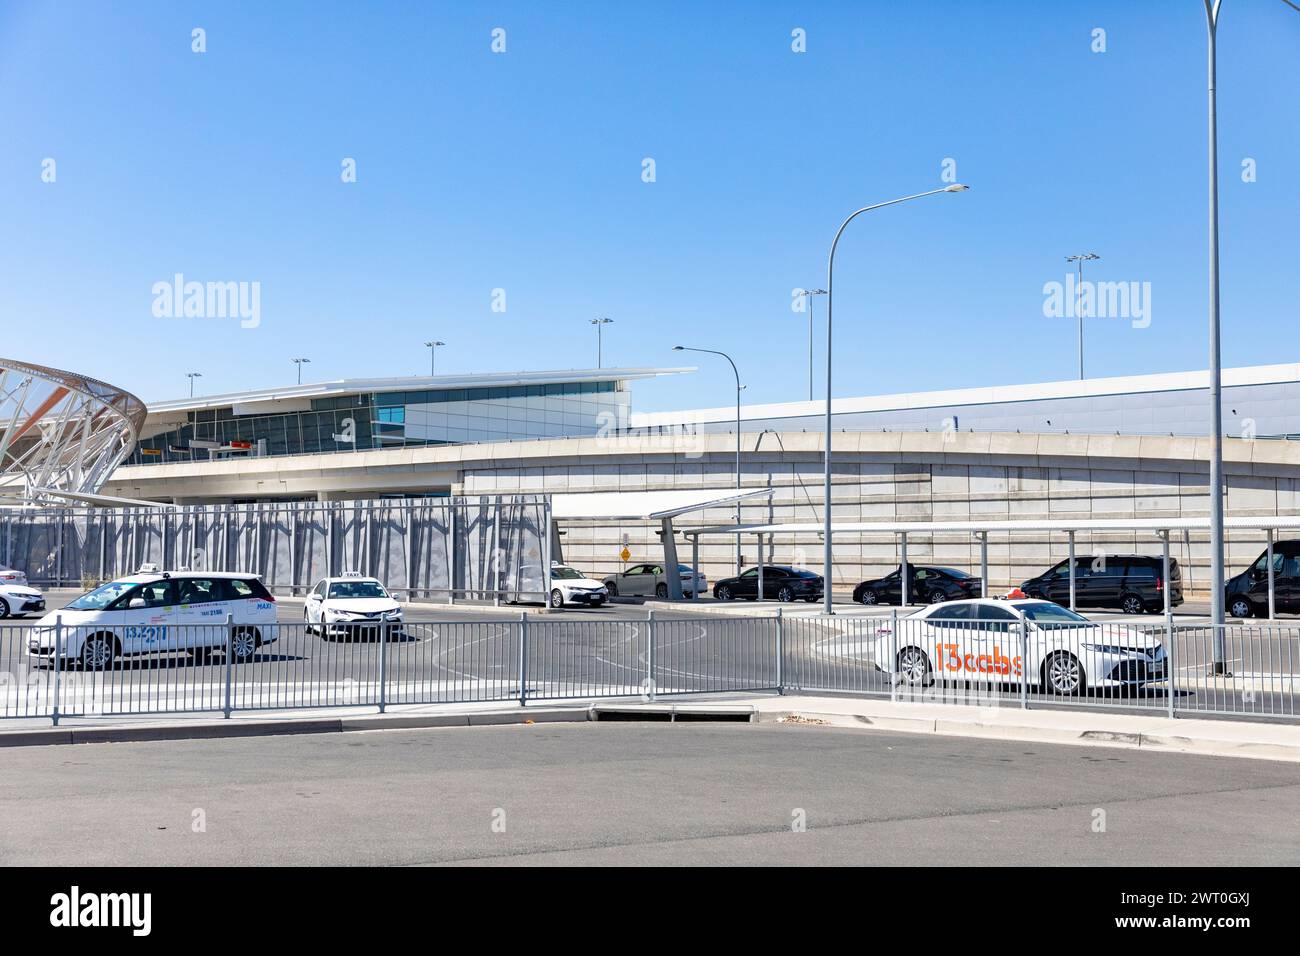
(649, 580)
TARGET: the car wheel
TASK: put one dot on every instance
(914, 667)
(306, 624)
(785, 595)
(557, 598)
(244, 643)
(4, 609)
(98, 652)
(937, 597)
(1063, 674)
(1132, 604)
(661, 590)
(869, 597)
(1241, 607)
(723, 593)
(612, 588)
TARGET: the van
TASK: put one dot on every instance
(1246, 595)
(1133, 583)
(159, 613)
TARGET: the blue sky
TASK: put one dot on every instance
(522, 171)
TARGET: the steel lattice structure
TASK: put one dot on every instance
(61, 432)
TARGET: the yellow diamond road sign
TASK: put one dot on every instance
(625, 554)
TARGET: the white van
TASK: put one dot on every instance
(157, 613)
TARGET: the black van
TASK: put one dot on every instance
(1246, 595)
(1134, 583)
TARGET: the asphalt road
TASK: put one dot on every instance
(637, 794)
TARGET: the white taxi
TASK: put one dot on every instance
(158, 612)
(350, 605)
(979, 640)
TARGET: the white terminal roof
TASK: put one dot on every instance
(1073, 388)
(355, 386)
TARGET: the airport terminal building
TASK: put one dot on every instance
(1099, 448)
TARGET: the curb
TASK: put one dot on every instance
(329, 725)
(1165, 742)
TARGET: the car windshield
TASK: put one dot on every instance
(1047, 614)
(349, 590)
(955, 573)
(567, 574)
(102, 596)
(803, 573)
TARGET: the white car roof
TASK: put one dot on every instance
(174, 575)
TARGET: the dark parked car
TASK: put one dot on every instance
(780, 582)
(1246, 595)
(926, 585)
(1134, 583)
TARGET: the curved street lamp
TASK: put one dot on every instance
(830, 307)
(685, 348)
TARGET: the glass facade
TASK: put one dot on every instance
(370, 420)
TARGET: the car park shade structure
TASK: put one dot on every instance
(982, 529)
(662, 506)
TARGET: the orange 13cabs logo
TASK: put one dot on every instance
(950, 658)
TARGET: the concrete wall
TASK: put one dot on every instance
(924, 478)
(885, 476)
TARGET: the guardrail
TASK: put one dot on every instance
(222, 667)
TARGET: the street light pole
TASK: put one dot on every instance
(433, 351)
(192, 376)
(599, 323)
(830, 299)
(1216, 402)
(1078, 300)
(807, 296)
(300, 362)
(684, 348)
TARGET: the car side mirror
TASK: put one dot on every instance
(136, 603)
(314, 597)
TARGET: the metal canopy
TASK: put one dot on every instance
(647, 505)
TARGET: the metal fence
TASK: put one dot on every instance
(63, 671)
(482, 548)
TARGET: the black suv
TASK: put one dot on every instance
(1134, 583)
(781, 582)
(926, 585)
(1246, 595)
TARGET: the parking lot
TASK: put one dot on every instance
(464, 653)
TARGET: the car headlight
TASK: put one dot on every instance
(393, 615)
(1114, 649)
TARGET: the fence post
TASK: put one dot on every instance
(893, 654)
(230, 657)
(385, 632)
(650, 654)
(1023, 627)
(58, 646)
(1169, 667)
(523, 658)
(780, 651)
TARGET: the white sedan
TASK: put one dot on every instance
(10, 575)
(569, 586)
(651, 580)
(350, 605)
(980, 640)
(18, 599)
